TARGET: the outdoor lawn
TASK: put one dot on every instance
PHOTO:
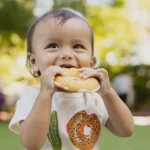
(140, 140)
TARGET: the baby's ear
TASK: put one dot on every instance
(32, 62)
(93, 62)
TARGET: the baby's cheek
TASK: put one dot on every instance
(50, 61)
(85, 62)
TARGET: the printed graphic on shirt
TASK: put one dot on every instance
(83, 130)
(53, 134)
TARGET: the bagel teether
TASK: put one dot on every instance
(73, 82)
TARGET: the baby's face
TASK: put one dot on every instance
(66, 45)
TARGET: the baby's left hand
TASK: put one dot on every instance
(101, 75)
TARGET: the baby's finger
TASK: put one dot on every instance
(82, 69)
(103, 70)
(91, 73)
(55, 70)
(60, 71)
(101, 76)
(86, 72)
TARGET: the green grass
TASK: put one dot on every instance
(8, 140)
(140, 140)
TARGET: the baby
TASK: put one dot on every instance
(48, 118)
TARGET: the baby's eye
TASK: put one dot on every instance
(53, 45)
(78, 46)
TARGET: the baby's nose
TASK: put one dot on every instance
(66, 56)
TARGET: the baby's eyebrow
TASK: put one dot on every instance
(52, 39)
(80, 41)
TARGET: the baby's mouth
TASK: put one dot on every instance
(67, 66)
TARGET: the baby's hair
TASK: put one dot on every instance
(63, 15)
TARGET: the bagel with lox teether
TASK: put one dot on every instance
(73, 82)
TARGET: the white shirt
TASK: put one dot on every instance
(76, 119)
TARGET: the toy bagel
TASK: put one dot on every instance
(73, 82)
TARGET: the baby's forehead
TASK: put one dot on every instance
(59, 22)
(58, 25)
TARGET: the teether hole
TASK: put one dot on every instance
(87, 130)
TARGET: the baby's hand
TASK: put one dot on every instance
(101, 75)
(47, 78)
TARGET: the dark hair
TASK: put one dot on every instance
(63, 15)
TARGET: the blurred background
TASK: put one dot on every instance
(122, 46)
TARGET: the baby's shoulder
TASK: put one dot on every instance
(31, 90)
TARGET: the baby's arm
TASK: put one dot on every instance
(120, 120)
(35, 128)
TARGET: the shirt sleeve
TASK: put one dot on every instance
(101, 108)
(23, 108)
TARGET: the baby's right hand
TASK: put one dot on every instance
(47, 78)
